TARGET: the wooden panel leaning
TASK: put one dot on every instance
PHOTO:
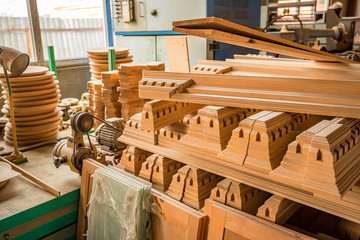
(226, 223)
(88, 169)
(176, 221)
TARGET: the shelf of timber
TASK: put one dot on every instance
(211, 140)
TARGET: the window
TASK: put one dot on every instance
(71, 26)
(304, 9)
(14, 26)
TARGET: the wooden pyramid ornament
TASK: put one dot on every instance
(159, 171)
(211, 129)
(261, 140)
(157, 114)
(239, 196)
(219, 193)
(278, 209)
(198, 187)
(132, 159)
(325, 159)
(177, 185)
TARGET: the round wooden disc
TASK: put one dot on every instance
(33, 118)
(34, 103)
(119, 60)
(38, 122)
(36, 98)
(105, 50)
(34, 136)
(36, 88)
(105, 57)
(30, 71)
(72, 101)
(27, 84)
(31, 111)
(25, 143)
(23, 79)
(33, 93)
(26, 131)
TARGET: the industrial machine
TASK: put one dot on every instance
(73, 150)
(341, 34)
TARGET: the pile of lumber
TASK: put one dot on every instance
(99, 59)
(96, 105)
(110, 95)
(37, 115)
(130, 75)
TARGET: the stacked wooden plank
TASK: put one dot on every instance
(99, 59)
(35, 95)
(223, 31)
(96, 105)
(130, 75)
(110, 95)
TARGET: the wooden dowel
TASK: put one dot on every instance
(36, 180)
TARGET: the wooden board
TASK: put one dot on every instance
(233, 28)
(334, 97)
(247, 42)
(29, 72)
(176, 220)
(178, 54)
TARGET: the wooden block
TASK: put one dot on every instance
(278, 209)
(131, 160)
(211, 69)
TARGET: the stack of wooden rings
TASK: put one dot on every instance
(99, 60)
(37, 115)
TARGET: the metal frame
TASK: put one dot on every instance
(35, 32)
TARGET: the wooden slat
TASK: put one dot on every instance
(233, 28)
(333, 97)
(247, 42)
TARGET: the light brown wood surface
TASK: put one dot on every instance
(178, 54)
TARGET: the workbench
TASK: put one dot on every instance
(27, 211)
